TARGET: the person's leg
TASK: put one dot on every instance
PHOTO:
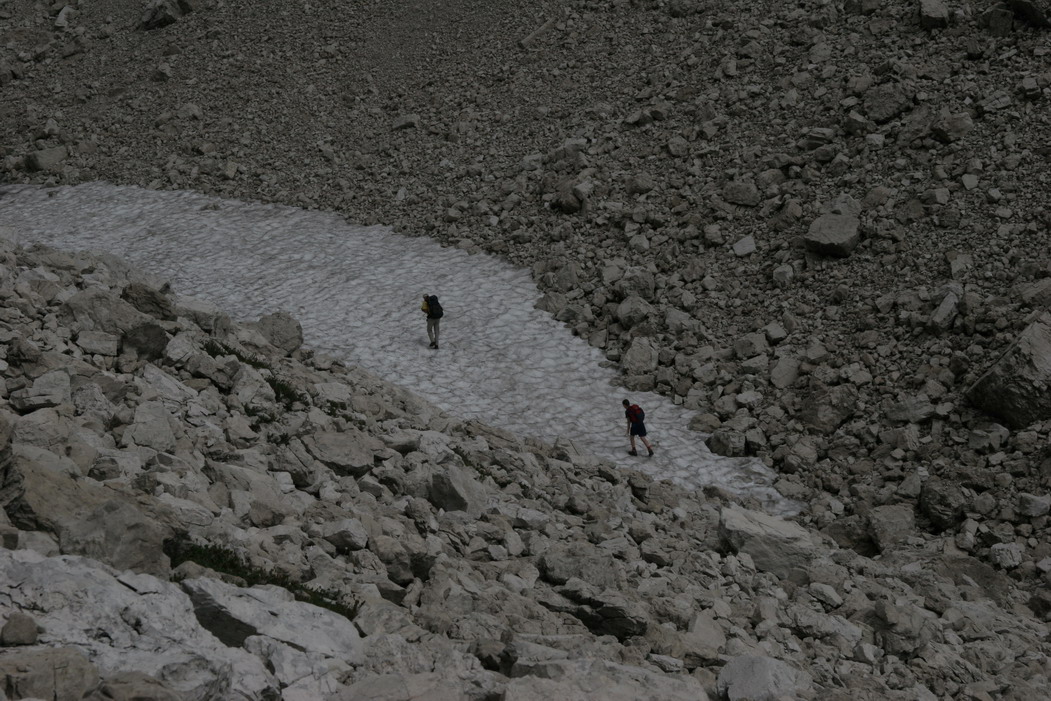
(647, 444)
(430, 331)
(437, 330)
(631, 437)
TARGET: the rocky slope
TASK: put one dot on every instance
(818, 224)
(199, 509)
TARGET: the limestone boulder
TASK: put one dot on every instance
(281, 330)
(775, 545)
(233, 614)
(589, 679)
(47, 673)
(347, 453)
(1017, 388)
(833, 235)
(95, 309)
(758, 678)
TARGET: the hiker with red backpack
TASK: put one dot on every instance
(636, 426)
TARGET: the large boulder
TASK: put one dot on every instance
(775, 545)
(833, 235)
(756, 678)
(48, 673)
(233, 615)
(588, 679)
(1036, 13)
(1017, 388)
(281, 330)
(161, 13)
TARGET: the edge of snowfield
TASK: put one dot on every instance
(456, 561)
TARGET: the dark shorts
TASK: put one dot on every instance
(638, 429)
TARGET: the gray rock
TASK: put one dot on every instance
(149, 300)
(727, 442)
(952, 127)
(1033, 12)
(827, 408)
(98, 310)
(347, 534)
(161, 13)
(149, 340)
(454, 489)
(1006, 555)
(640, 358)
(633, 310)
(942, 502)
(742, 193)
(755, 678)
(1034, 506)
(50, 673)
(46, 159)
(1017, 388)
(885, 102)
(406, 121)
(19, 629)
(347, 453)
(120, 535)
(933, 14)
(890, 525)
(281, 330)
(774, 545)
(99, 343)
(233, 614)
(833, 235)
(590, 679)
(136, 686)
(49, 390)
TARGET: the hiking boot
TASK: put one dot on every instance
(633, 452)
(651, 453)
(433, 345)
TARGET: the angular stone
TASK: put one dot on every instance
(591, 679)
(161, 13)
(347, 534)
(640, 358)
(933, 14)
(633, 310)
(149, 301)
(281, 330)
(136, 686)
(50, 673)
(774, 545)
(885, 102)
(755, 678)
(232, 614)
(890, 525)
(347, 453)
(1017, 388)
(827, 408)
(833, 235)
(46, 159)
(952, 127)
(942, 502)
(741, 193)
(1034, 506)
(1035, 13)
(454, 489)
(98, 310)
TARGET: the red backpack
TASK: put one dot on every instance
(635, 414)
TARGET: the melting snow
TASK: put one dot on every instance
(356, 291)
